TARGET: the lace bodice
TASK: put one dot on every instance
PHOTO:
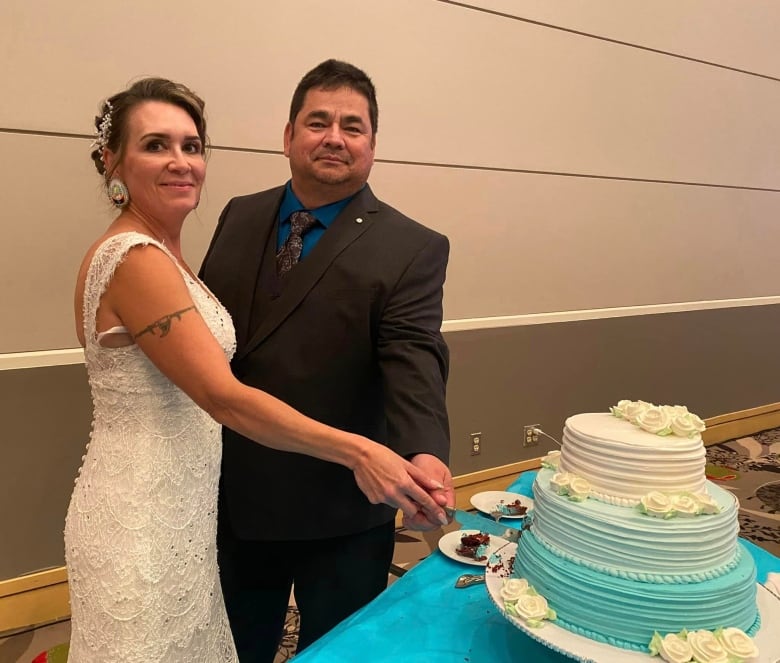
(140, 532)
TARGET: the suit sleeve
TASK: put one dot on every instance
(413, 357)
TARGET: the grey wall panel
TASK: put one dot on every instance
(714, 362)
(45, 414)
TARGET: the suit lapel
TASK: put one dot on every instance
(353, 221)
(261, 221)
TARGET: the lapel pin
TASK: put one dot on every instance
(358, 220)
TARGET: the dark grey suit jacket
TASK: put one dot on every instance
(352, 339)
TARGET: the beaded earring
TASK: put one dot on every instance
(117, 191)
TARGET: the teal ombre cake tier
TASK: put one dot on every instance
(624, 612)
(616, 575)
(623, 541)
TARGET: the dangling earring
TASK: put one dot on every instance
(118, 192)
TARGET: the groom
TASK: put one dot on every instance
(338, 313)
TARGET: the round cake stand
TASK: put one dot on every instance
(583, 649)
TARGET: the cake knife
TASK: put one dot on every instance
(473, 521)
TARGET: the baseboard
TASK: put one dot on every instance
(37, 598)
(741, 424)
(40, 598)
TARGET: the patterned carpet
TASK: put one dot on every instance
(749, 467)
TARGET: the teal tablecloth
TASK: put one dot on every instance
(422, 617)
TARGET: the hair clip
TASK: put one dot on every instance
(103, 132)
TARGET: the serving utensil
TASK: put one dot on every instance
(473, 521)
(469, 579)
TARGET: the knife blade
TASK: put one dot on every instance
(474, 521)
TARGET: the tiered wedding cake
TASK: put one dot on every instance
(628, 539)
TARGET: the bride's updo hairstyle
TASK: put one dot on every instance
(111, 124)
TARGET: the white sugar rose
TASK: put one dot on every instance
(707, 505)
(619, 410)
(656, 504)
(634, 409)
(559, 482)
(552, 459)
(676, 410)
(686, 425)
(671, 648)
(654, 420)
(737, 643)
(685, 504)
(531, 607)
(513, 589)
(706, 648)
(579, 489)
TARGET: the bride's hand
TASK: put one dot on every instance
(385, 477)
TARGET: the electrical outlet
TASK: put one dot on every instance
(476, 444)
(530, 435)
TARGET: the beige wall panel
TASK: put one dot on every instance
(533, 243)
(564, 243)
(51, 211)
(229, 174)
(467, 87)
(53, 208)
(500, 93)
(726, 32)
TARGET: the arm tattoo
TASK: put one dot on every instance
(163, 325)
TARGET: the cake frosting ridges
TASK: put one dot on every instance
(623, 462)
(628, 539)
(625, 612)
(623, 541)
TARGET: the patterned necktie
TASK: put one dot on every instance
(290, 252)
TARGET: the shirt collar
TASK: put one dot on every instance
(325, 215)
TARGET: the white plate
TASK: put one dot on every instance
(450, 541)
(590, 651)
(488, 501)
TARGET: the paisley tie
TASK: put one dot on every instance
(290, 252)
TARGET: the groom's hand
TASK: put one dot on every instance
(445, 496)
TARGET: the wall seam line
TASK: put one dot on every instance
(611, 40)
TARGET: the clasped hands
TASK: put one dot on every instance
(443, 494)
(419, 487)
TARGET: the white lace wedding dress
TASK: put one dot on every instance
(140, 534)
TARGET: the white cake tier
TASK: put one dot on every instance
(623, 463)
(622, 541)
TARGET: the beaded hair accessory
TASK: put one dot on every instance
(104, 130)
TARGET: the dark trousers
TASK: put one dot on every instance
(333, 578)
